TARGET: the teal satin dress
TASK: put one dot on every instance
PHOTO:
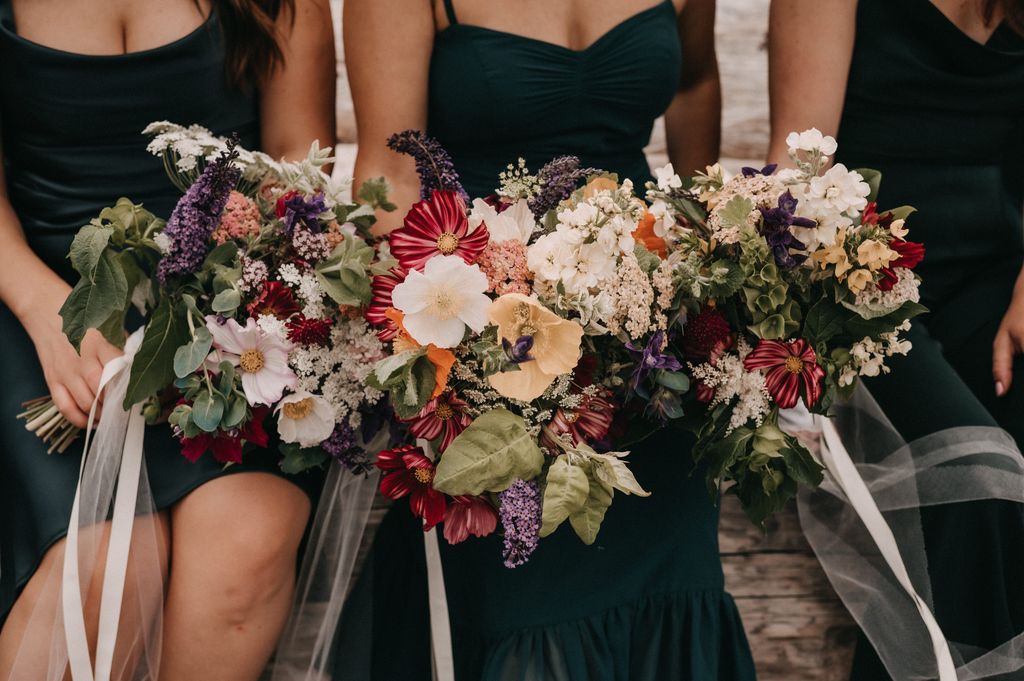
(942, 117)
(72, 144)
(646, 602)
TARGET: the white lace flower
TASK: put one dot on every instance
(442, 301)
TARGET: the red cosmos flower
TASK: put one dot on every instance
(228, 448)
(305, 331)
(469, 516)
(381, 287)
(275, 299)
(437, 226)
(706, 334)
(789, 364)
(588, 423)
(408, 472)
(444, 417)
(911, 255)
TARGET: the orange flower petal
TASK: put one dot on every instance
(443, 361)
(644, 233)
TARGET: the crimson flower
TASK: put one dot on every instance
(444, 417)
(469, 516)
(408, 472)
(305, 331)
(789, 364)
(227, 447)
(911, 254)
(706, 335)
(871, 216)
(437, 226)
(381, 287)
(275, 299)
(588, 423)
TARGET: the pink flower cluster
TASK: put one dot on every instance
(504, 263)
(241, 219)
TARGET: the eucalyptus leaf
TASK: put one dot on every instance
(565, 494)
(207, 410)
(226, 301)
(492, 453)
(235, 412)
(190, 357)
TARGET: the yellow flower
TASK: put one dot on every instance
(858, 279)
(898, 230)
(555, 351)
(875, 255)
(835, 255)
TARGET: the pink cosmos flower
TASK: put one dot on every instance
(469, 516)
(261, 357)
(437, 226)
(789, 364)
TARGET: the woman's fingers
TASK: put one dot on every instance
(67, 406)
(1003, 349)
(81, 393)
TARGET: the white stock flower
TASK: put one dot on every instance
(616, 235)
(839, 190)
(811, 140)
(440, 302)
(305, 419)
(667, 178)
(515, 223)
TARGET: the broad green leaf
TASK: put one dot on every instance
(223, 254)
(676, 381)
(824, 320)
(873, 178)
(492, 453)
(207, 410)
(587, 521)
(153, 366)
(565, 494)
(226, 301)
(736, 212)
(614, 472)
(345, 274)
(385, 369)
(296, 459)
(190, 357)
(94, 300)
(902, 212)
(420, 379)
(89, 244)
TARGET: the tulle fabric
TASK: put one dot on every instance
(950, 466)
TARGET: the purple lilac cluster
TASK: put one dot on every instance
(433, 164)
(557, 180)
(197, 214)
(301, 211)
(520, 515)
(341, 445)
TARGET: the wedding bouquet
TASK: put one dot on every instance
(497, 349)
(251, 293)
(789, 286)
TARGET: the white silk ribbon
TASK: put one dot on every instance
(442, 657)
(114, 385)
(843, 472)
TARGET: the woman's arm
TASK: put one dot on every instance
(297, 100)
(387, 52)
(71, 378)
(693, 122)
(810, 45)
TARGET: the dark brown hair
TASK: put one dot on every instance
(1013, 11)
(251, 38)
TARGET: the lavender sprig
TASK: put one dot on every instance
(520, 516)
(341, 445)
(188, 231)
(433, 164)
(557, 180)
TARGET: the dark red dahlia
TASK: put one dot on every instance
(227, 447)
(275, 299)
(791, 369)
(376, 314)
(706, 334)
(437, 226)
(305, 331)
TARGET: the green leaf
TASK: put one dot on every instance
(676, 381)
(824, 320)
(207, 411)
(902, 212)
(385, 369)
(296, 459)
(374, 191)
(587, 521)
(565, 494)
(613, 471)
(89, 244)
(421, 379)
(94, 300)
(223, 254)
(345, 274)
(801, 466)
(648, 261)
(153, 366)
(235, 412)
(874, 179)
(492, 453)
(226, 301)
(190, 357)
(736, 212)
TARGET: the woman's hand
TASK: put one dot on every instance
(1009, 342)
(72, 378)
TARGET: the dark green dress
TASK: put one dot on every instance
(942, 117)
(72, 144)
(646, 601)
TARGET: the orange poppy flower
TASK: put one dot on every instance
(644, 233)
(442, 358)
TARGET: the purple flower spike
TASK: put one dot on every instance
(341, 445)
(197, 214)
(777, 222)
(520, 516)
(433, 164)
(557, 180)
(650, 358)
(754, 172)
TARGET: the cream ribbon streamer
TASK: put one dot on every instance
(844, 474)
(442, 657)
(113, 382)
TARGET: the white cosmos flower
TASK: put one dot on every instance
(305, 419)
(667, 178)
(442, 301)
(839, 190)
(515, 223)
(262, 358)
(811, 140)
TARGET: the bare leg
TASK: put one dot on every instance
(236, 540)
(33, 626)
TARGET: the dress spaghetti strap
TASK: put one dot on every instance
(449, 9)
